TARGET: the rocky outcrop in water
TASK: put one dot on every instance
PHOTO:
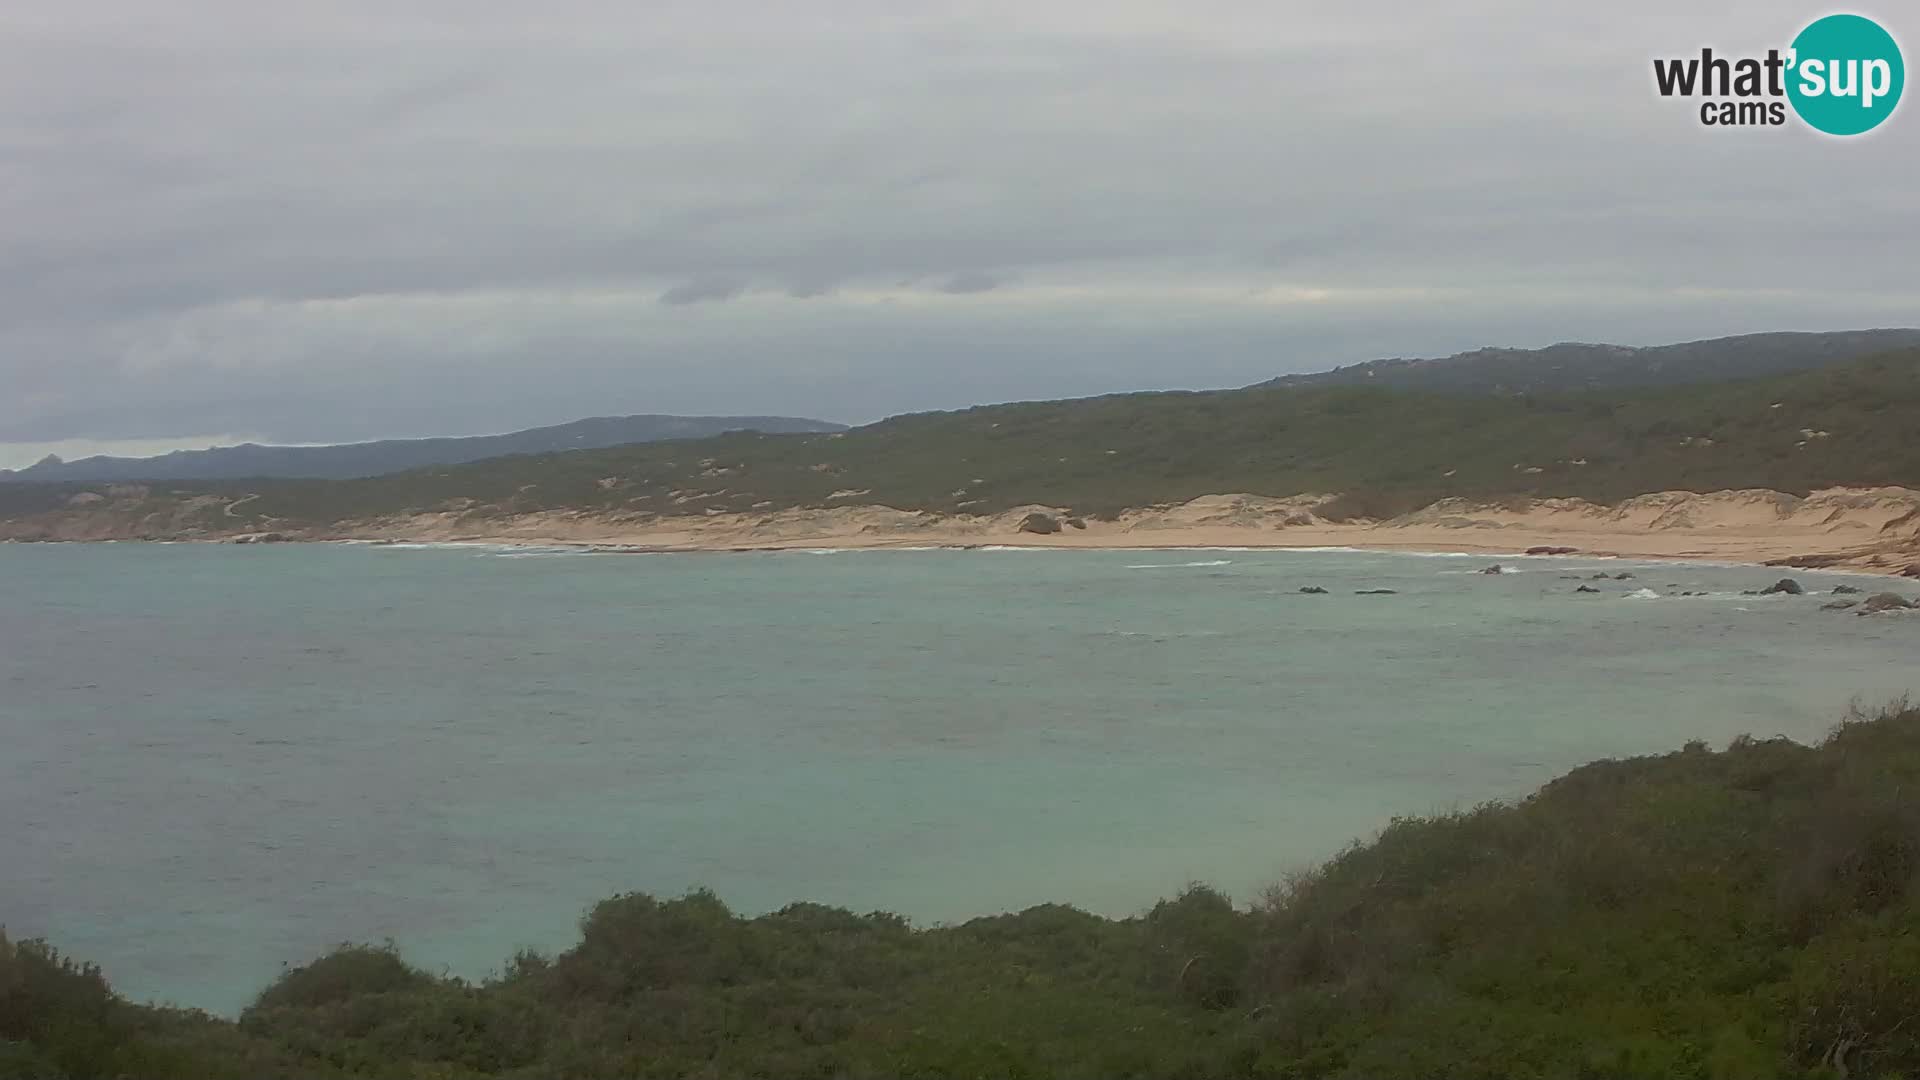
(1810, 562)
(1785, 585)
(1885, 601)
(1313, 590)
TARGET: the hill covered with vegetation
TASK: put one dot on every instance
(251, 460)
(1571, 366)
(1747, 913)
(1385, 451)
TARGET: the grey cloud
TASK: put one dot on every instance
(810, 286)
(973, 282)
(703, 290)
(308, 218)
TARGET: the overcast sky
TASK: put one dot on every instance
(300, 222)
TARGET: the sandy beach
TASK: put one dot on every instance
(1876, 529)
(1869, 529)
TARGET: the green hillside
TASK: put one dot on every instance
(1571, 366)
(1746, 914)
(345, 460)
(1391, 450)
(1387, 451)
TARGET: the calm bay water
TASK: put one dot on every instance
(216, 760)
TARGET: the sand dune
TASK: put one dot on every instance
(1876, 528)
(1862, 528)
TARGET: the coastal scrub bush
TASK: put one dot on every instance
(347, 972)
(1743, 913)
(1201, 945)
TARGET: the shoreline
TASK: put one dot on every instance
(839, 544)
(1864, 530)
(1475, 552)
(1873, 531)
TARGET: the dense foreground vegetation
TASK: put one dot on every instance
(1749, 913)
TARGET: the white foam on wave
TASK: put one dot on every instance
(870, 550)
(1181, 565)
(440, 545)
(535, 553)
(1643, 594)
(1414, 554)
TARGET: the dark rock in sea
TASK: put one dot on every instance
(1886, 601)
(1313, 589)
(1569, 577)
(1623, 576)
(1838, 605)
(1041, 524)
(1785, 585)
(1807, 562)
(1076, 523)
(1586, 588)
(1548, 550)
(1844, 590)
(1601, 576)
(1496, 568)
(1374, 592)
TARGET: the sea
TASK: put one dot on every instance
(218, 761)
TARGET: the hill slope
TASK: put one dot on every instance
(1749, 913)
(347, 460)
(1388, 451)
(1572, 366)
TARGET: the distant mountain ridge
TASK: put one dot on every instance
(1572, 366)
(352, 460)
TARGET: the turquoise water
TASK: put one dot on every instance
(217, 760)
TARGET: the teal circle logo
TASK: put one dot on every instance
(1845, 75)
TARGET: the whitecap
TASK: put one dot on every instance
(441, 545)
(1180, 565)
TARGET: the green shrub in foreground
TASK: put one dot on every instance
(1747, 913)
